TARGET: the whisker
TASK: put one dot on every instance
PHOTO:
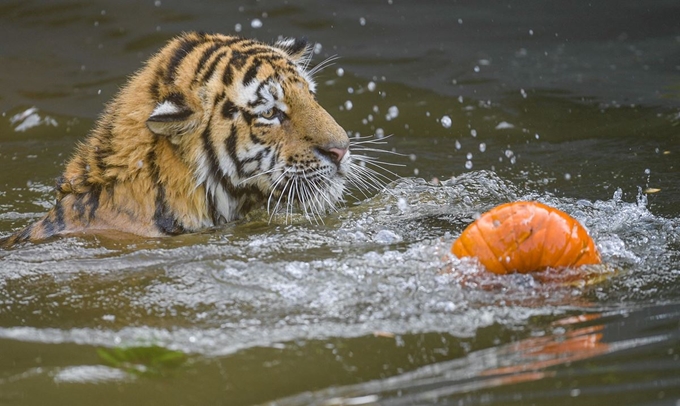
(278, 202)
(371, 138)
(374, 160)
(314, 193)
(305, 202)
(320, 195)
(371, 176)
(378, 165)
(361, 185)
(323, 65)
(291, 195)
(382, 151)
(274, 186)
(315, 204)
(308, 56)
(369, 180)
(268, 171)
(307, 199)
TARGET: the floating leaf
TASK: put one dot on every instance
(143, 361)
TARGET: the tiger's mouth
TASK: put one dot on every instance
(311, 192)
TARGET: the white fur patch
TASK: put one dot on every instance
(307, 77)
(270, 96)
(246, 94)
(285, 42)
(167, 108)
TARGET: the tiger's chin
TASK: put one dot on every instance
(311, 195)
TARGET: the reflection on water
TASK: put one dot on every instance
(561, 365)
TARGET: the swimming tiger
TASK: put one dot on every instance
(209, 128)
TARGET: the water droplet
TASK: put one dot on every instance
(458, 146)
(504, 125)
(531, 32)
(468, 164)
(348, 105)
(362, 21)
(482, 147)
(392, 112)
(473, 132)
(446, 122)
(339, 71)
(238, 27)
(371, 86)
(379, 132)
(402, 204)
(256, 23)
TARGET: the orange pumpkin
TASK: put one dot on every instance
(526, 237)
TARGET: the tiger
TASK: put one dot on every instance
(211, 127)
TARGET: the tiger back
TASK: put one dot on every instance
(211, 127)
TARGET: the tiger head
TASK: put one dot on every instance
(244, 117)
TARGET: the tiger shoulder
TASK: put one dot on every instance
(209, 128)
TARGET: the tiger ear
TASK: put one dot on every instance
(170, 118)
(297, 48)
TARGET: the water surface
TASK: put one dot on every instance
(577, 106)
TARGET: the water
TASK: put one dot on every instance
(487, 103)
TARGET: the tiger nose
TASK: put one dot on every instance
(335, 154)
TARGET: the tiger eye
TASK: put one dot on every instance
(268, 114)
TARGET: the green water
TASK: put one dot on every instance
(576, 105)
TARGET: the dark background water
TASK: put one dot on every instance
(573, 103)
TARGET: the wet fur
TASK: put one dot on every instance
(188, 143)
